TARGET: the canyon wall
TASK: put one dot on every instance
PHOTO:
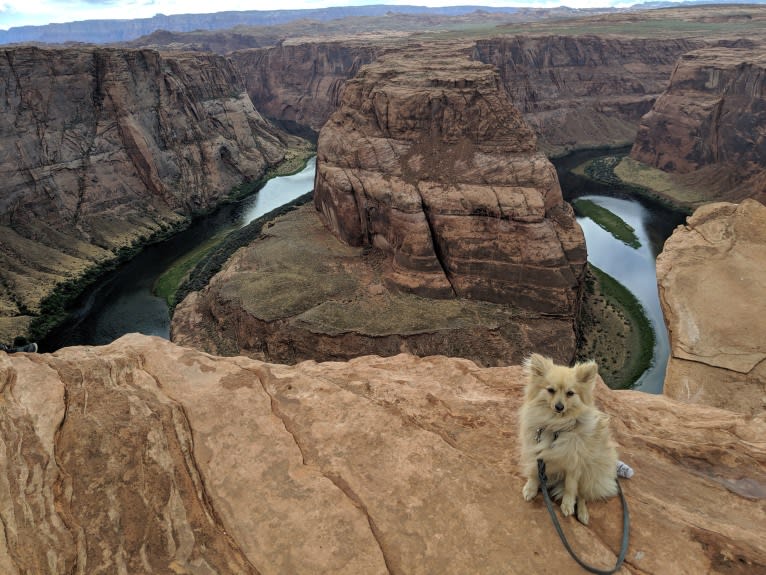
(712, 280)
(582, 91)
(100, 148)
(300, 84)
(709, 126)
(427, 160)
(574, 91)
(146, 457)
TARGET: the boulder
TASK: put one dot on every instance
(712, 280)
(146, 457)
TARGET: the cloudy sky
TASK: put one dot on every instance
(25, 12)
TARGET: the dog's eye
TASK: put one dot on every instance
(551, 390)
(570, 393)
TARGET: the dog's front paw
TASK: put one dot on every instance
(530, 490)
(582, 512)
(567, 505)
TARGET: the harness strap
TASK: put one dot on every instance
(625, 525)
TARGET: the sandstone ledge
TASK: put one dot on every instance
(712, 279)
(153, 458)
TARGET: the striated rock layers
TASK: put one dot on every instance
(583, 91)
(428, 161)
(297, 293)
(574, 91)
(100, 148)
(709, 126)
(712, 280)
(299, 84)
(145, 457)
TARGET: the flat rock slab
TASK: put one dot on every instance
(712, 279)
(146, 457)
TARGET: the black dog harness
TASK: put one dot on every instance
(548, 503)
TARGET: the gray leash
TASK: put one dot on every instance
(625, 525)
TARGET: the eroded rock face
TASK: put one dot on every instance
(712, 279)
(574, 91)
(146, 457)
(101, 147)
(582, 91)
(300, 84)
(427, 160)
(711, 120)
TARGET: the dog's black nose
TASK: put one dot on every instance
(559, 407)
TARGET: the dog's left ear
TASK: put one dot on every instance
(586, 373)
(537, 366)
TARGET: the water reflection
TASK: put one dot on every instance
(635, 269)
(277, 192)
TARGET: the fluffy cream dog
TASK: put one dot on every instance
(561, 426)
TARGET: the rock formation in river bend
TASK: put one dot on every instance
(451, 235)
(712, 279)
(100, 148)
(709, 126)
(428, 161)
(145, 457)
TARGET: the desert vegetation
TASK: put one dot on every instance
(608, 221)
(614, 330)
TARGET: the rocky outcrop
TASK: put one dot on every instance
(298, 293)
(583, 91)
(102, 148)
(455, 238)
(428, 161)
(300, 84)
(712, 280)
(709, 126)
(146, 457)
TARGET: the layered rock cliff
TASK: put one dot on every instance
(427, 160)
(709, 126)
(300, 84)
(583, 91)
(146, 457)
(101, 148)
(298, 293)
(712, 280)
(574, 91)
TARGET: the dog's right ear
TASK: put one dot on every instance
(537, 366)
